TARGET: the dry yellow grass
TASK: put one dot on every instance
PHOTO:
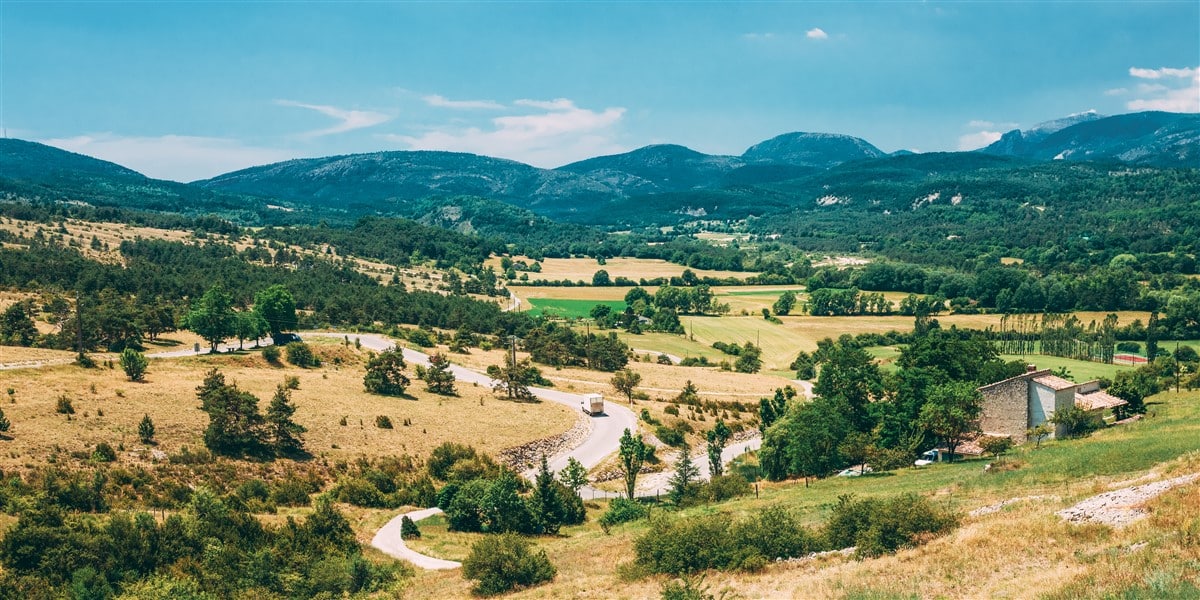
(325, 396)
(576, 269)
(110, 235)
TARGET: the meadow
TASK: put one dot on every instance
(570, 309)
(582, 269)
(108, 408)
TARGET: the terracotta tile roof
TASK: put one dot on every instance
(1098, 401)
(1055, 382)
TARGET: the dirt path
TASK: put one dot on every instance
(1122, 507)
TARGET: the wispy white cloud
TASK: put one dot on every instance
(978, 139)
(444, 102)
(758, 36)
(1174, 90)
(559, 133)
(980, 124)
(349, 119)
(1116, 91)
(174, 157)
(816, 33)
(1162, 73)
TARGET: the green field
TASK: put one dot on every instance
(569, 309)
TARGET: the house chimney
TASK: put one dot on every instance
(1030, 368)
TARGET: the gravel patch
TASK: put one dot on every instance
(1121, 507)
(997, 507)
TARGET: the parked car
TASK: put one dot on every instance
(854, 471)
(928, 457)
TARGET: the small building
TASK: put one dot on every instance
(1012, 406)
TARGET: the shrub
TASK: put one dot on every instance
(502, 563)
(4, 424)
(104, 453)
(408, 529)
(383, 422)
(687, 588)
(271, 354)
(677, 546)
(622, 510)
(879, 526)
(669, 436)
(63, 406)
(724, 487)
(301, 355)
(291, 382)
(1076, 422)
(292, 492)
(1129, 347)
(134, 364)
(146, 430)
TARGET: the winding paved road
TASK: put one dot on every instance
(603, 440)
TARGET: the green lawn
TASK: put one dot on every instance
(570, 309)
(679, 345)
(1079, 370)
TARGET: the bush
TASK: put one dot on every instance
(724, 487)
(669, 436)
(622, 510)
(879, 526)
(63, 406)
(408, 529)
(1129, 347)
(505, 562)
(1076, 422)
(383, 422)
(292, 492)
(104, 453)
(301, 355)
(134, 364)
(271, 354)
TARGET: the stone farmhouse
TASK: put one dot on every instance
(1012, 406)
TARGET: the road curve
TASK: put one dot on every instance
(389, 540)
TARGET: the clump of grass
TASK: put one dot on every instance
(383, 422)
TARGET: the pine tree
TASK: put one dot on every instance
(686, 473)
(146, 430)
(134, 364)
(438, 377)
(546, 504)
(285, 433)
(574, 475)
(408, 529)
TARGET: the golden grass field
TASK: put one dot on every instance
(80, 234)
(326, 395)
(577, 269)
(1022, 551)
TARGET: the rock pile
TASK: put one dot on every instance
(1121, 507)
(529, 455)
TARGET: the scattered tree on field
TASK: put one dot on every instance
(996, 444)
(146, 430)
(284, 433)
(134, 364)
(856, 447)
(277, 308)
(633, 453)
(5, 425)
(546, 503)
(785, 303)
(233, 418)
(385, 373)
(249, 325)
(438, 377)
(749, 360)
(625, 382)
(16, 328)
(212, 316)
(514, 378)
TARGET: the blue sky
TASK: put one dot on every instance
(187, 90)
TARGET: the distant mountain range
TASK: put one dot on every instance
(657, 184)
(1147, 138)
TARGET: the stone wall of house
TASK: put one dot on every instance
(1006, 408)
